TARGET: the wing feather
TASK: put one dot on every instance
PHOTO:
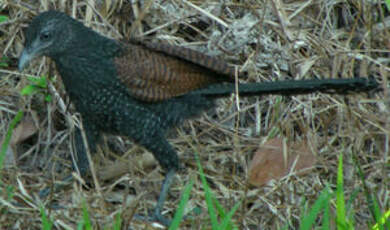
(156, 72)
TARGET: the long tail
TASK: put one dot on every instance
(338, 86)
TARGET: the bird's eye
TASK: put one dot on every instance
(45, 35)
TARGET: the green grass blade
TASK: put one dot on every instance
(40, 82)
(219, 208)
(8, 136)
(46, 222)
(180, 210)
(3, 60)
(385, 221)
(326, 218)
(371, 200)
(118, 222)
(377, 212)
(387, 4)
(208, 195)
(29, 90)
(80, 225)
(227, 220)
(308, 220)
(86, 222)
(341, 216)
(349, 206)
(48, 98)
(3, 18)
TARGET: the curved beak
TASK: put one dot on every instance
(25, 59)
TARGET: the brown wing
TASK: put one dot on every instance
(155, 72)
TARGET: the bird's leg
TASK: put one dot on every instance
(168, 159)
(163, 196)
(154, 141)
(157, 212)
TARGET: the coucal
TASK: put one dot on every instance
(140, 89)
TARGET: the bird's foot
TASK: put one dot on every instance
(154, 217)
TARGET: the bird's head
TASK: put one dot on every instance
(49, 34)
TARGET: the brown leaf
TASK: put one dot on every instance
(270, 162)
(9, 159)
(121, 167)
(25, 129)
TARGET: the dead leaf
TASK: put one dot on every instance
(25, 129)
(121, 167)
(270, 162)
(9, 159)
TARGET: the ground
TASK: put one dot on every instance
(269, 41)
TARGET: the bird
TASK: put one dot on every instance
(140, 89)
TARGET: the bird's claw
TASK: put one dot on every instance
(155, 217)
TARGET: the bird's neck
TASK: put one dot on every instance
(88, 68)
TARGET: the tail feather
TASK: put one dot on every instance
(294, 87)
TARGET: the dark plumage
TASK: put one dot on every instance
(141, 89)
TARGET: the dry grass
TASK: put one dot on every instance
(270, 40)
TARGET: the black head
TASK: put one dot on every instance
(49, 34)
